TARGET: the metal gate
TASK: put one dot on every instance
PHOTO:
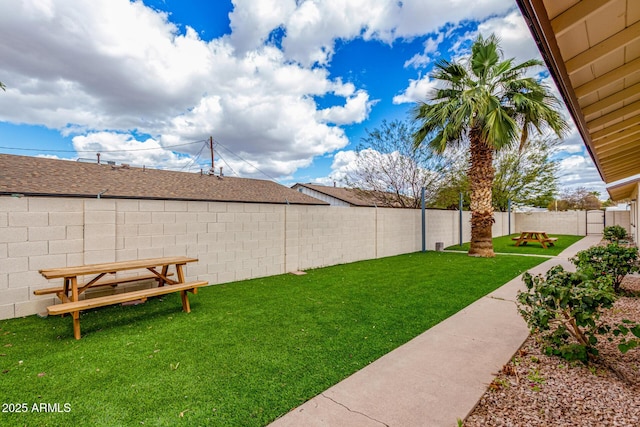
(595, 222)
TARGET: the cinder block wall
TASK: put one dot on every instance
(233, 241)
(568, 222)
(621, 218)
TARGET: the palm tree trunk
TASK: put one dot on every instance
(481, 173)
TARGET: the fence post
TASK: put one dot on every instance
(424, 228)
(509, 215)
(460, 220)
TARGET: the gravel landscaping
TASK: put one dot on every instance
(539, 390)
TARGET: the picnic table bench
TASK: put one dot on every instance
(535, 236)
(71, 290)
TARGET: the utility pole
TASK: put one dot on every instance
(211, 149)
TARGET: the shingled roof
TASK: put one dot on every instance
(35, 176)
(355, 196)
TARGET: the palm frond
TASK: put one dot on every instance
(485, 53)
(491, 94)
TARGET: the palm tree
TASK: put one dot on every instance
(490, 103)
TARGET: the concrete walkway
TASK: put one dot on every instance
(439, 376)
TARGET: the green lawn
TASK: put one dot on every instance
(505, 244)
(247, 353)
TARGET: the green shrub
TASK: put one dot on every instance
(614, 260)
(565, 308)
(614, 233)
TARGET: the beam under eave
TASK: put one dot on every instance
(621, 156)
(575, 14)
(618, 137)
(607, 102)
(632, 109)
(603, 148)
(618, 177)
(609, 45)
(623, 168)
(611, 77)
(611, 131)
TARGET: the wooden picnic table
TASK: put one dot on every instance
(158, 268)
(535, 236)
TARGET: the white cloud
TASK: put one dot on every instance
(104, 69)
(516, 42)
(343, 164)
(579, 171)
(355, 110)
(515, 38)
(430, 48)
(311, 27)
(252, 21)
(572, 143)
(417, 91)
(314, 26)
(124, 148)
(114, 66)
(122, 61)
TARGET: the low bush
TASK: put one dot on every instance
(565, 308)
(613, 260)
(614, 233)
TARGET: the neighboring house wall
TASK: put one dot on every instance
(233, 241)
(321, 196)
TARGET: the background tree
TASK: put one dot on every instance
(579, 198)
(489, 102)
(2, 86)
(387, 164)
(455, 181)
(526, 177)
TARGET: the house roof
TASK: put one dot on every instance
(592, 49)
(35, 176)
(623, 189)
(354, 196)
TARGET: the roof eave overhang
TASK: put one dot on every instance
(622, 192)
(535, 15)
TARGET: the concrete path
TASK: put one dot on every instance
(436, 378)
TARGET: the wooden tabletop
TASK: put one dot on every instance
(108, 267)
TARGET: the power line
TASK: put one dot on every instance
(194, 159)
(228, 165)
(101, 151)
(247, 162)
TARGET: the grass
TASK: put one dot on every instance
(506, 245)
(248, 352)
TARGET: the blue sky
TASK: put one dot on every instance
(286, 88)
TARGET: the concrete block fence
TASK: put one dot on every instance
(233, 241)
